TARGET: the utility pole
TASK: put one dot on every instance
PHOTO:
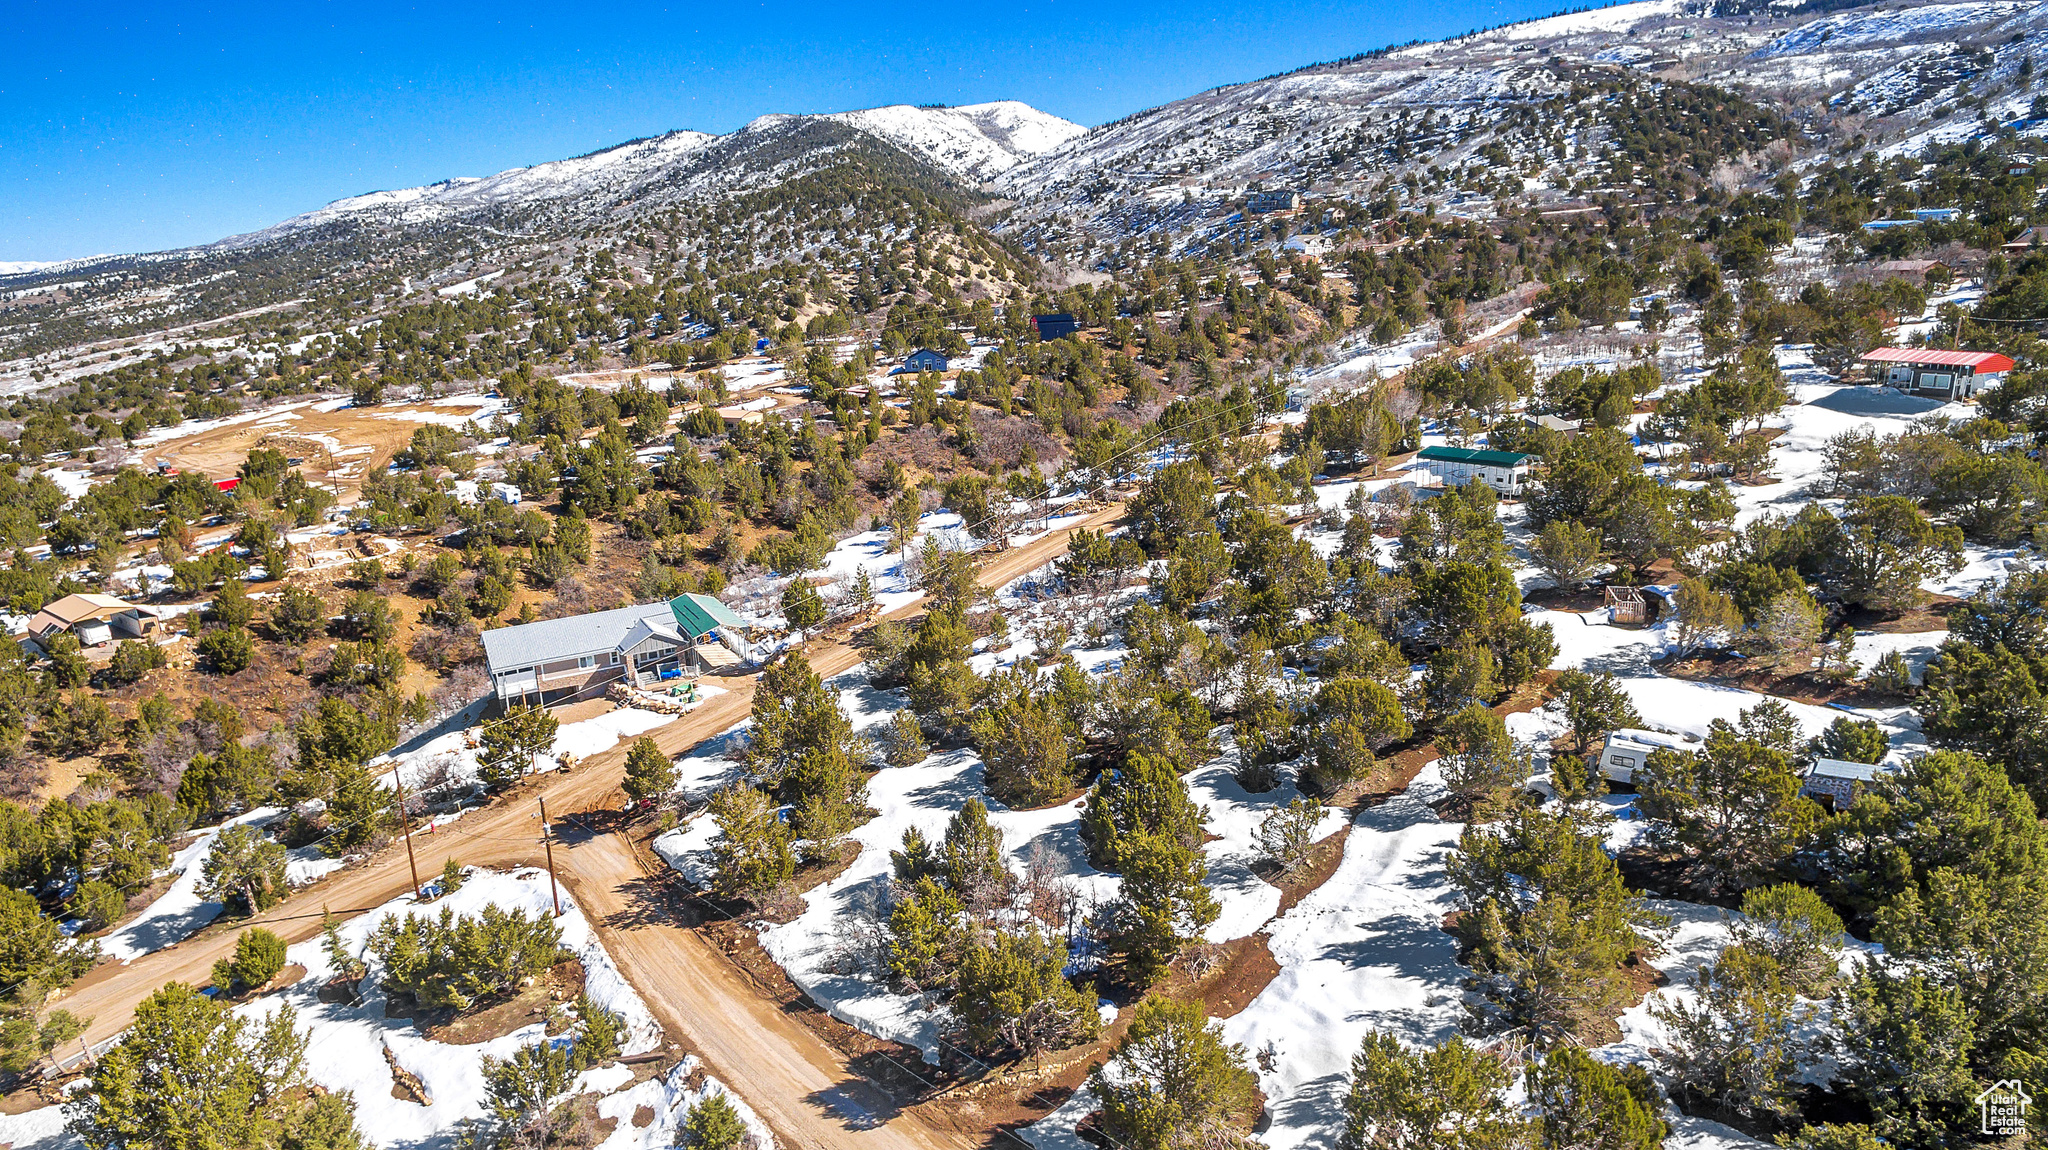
(548, 837)
(405, 826)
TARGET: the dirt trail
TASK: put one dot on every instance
(799, 1085)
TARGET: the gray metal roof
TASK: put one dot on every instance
(508, 648)
(1843, 769)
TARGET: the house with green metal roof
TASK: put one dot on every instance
(644, 645)
(1505, 471)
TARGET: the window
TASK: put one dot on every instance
(1937, 382)
(615, 659)
(583, 662)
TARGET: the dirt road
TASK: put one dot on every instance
(799, 1085)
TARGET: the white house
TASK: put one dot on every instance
(688, 635)
(1505, 471)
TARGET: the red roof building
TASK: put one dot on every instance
(1938, 372)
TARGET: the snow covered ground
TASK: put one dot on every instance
(179, 911)
(352, 1046)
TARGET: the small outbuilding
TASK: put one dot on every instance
(1270, 203)
(1505, 471)
(1058, 325)
(1626, 605)
(924, 359)
(1936, 372)
(1833, 782)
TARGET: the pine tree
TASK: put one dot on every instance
(1174, 1084)
(1354, 719)
(802, 607)
(752, 855)
(188, 1072)
(1594, 706)
(451, 877)
(512, 742)
(793, 715)
(926, 936)
(1800, 932)
(1734, 807)
(903, 743)
(1287, 834)
(1014, 995)
(1480, 759)
(1587, 1104)
(1162, 904)
(1448, 1097)
(971, 859)
(259, 955)
(1550, 924)
(1026, 756)
(1705, 616)
(358, 810)
(1146, 794)
(244, 870)
(649, 774)
(1735, 1042)
(713, 1123)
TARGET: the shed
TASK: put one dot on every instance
(1505, 471)
(1625, 605)
(1058, 325)
(1556, 423)
(1833, 782)
(1936, 372)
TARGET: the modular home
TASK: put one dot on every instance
(1935, 372)
(1505, 471)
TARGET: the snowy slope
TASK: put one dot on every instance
(971, 143)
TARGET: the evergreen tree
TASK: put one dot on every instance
(512, 742)
(713, 1123)
(1480, 760)
(1146, 794)
(649, 774)
(451, 877)
(903, 744)
(1594, 706)
(752, 855)
(1906, 1043)
(970, 859)
(1800, 932)
(1734, 807)
(1173, 1083)
(259, 955)
(190, 1073)
(1549, 923)
(1735, 1042)
(1287, 834)
(1449, 1096)
(802, 607)
(1587, 1104)
(1014, 995)
(1024, 747)
(298, 614)
(244, 869)
(926, 936)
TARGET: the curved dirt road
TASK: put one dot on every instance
(799, 1085)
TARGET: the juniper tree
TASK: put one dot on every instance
(752, 854)
(1014, 995)
(1549, 923)
(1587, 1104)
(1480, 759)
(1450, 1096)
(649, 774)
(1173, 1083)
(512, 742)
(713, 1123)
(244, 869)
(188, 1072)
(1736, 1042)
(1733, 808)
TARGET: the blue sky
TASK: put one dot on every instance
(141, 126)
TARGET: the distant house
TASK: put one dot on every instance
(95, 619)
(1556, 423)
(2029, 240)
(1833, 782)
(1058, 325)
(1909, 267)
(1628, 749)
(1935, 372)
(924, 359)
(1266, 203)
(1505, 471)
(1935, 215)
(643, 645)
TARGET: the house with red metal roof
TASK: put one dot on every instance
(1937, 372)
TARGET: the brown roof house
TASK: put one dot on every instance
(95, 619)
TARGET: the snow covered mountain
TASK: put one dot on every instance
(1903, 74)
(970, 143)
